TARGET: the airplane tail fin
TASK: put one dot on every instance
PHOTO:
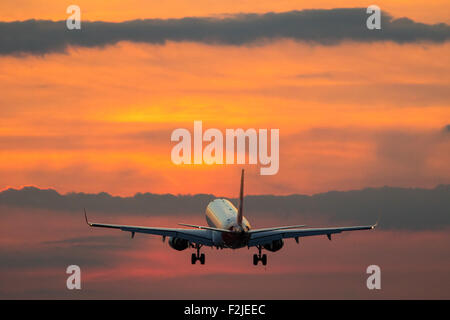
(241, 200)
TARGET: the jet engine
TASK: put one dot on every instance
(178, 244)
(274, 245)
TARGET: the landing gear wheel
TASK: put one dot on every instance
(264, 259)
(259, 257)
(255, 259)
(198, 256)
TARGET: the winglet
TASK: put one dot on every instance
(378, 221)
(375, 225)
(85, 217)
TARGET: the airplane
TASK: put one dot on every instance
(228, 228)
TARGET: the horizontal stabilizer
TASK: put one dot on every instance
(277, 228)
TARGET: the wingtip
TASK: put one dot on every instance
(86, 218)
(377, 223)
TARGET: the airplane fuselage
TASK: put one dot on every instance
(221, 213)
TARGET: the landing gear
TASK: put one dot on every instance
(202, 258)
(198, 256)
(264, 259)
(258, 257)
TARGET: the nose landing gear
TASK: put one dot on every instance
(258, 257)
(198, 256)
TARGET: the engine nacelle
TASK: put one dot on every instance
(274, 245)
(178, 244)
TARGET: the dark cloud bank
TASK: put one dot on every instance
(326, 27)
(400, 208)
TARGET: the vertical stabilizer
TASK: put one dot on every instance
(241, 200)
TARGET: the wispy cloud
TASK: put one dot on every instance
(324, 27)
(400, 208)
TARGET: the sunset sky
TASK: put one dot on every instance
(350, 115)
(97, 116)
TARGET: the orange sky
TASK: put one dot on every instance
(350, 116)
(115, 10)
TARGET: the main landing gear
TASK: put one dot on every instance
(259, 257)
(198, 256)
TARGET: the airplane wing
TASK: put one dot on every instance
(265, 237)
(200, 236)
